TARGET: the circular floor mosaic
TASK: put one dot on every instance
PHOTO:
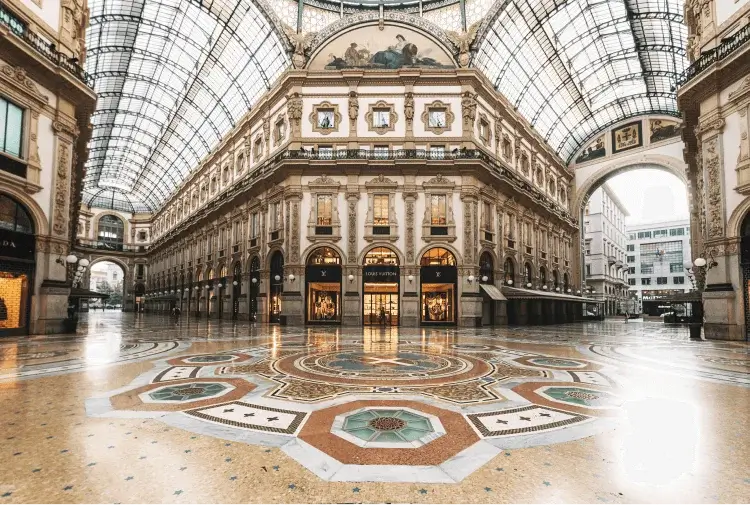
(387, 369)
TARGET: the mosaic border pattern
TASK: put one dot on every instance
(289, 430)
(474, 418)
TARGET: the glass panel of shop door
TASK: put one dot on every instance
(373, 314)
(13, 300)
(437, 303)
(324, 299)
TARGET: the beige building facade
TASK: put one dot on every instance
(714, 95)
(45, 104)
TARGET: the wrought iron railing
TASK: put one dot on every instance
(42, 46)
(723, 50)
(110, 246)
(390, 154)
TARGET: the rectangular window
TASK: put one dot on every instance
(679, 280)
(588, 270)
(254, 225)
(11, 128)
(631, 236)
(662, 280)
(381, 118)
(438, 211)
(326, 119)
(380, 152)
(644, 234)
(631, 259)
(222, 238)
(676, 232)
(675, 267)
(631, 282)
(276, 216)
(486, 216)
(381, 204)
(325, 210)
(646, 281)
(325, 152)
(631, 247)
(436, 118)
(437, 152)
(631, 270)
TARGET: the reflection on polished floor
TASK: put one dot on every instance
(143, 409)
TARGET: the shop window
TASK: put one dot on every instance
(323, 279)
(437, 256)
(11, 128)
(13, 217)
(438, 287)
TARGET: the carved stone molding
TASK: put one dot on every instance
(16, 76)
(449, 117)
(294, 113)
(60, 217)
(336, 116)
(468, 111)
(392, 117)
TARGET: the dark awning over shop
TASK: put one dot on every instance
(493, 292)
(533, 294)
(87, 293)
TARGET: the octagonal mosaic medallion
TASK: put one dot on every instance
(387, 428)
(584, 397)
(186, 392)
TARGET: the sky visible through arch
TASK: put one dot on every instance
(651, 196)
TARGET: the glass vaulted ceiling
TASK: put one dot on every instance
(574, 67)
(173, 77)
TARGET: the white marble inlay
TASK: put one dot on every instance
(256, 415)
(178, 372)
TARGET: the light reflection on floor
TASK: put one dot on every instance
(143, 409)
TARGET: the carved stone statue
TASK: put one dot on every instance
(353, 106)
(409, 106)
(462, 42)
(468, 108)
(301, 43)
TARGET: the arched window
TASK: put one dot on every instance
(14, 216)
(555, 279)
(111, 232)
(381, 256)
(437, 256)
(486, 268)
(566, 282)
(223, 271)
(529, 274)
(237, 269)
(510, 271)
(324, 256)
(542, 276)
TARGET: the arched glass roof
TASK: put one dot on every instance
(173, 77)
(574, 67)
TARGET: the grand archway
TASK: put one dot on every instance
(613, 262)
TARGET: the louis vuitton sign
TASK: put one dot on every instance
(380, 273)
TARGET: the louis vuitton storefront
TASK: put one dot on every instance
(439, 288)
(17, 266)
(323, 287)
(380, 288)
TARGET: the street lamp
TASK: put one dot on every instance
(696, 271)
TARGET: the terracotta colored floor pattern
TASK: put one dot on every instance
(142, 409)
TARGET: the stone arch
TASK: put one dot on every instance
(646, 160)
(375, 245)
(41, 225)
(269, 255)
(433, 245)
(734, 224)
(126, 274)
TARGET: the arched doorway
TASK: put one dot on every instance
(111, 233)
(106, 277)
(438, 278)
(236, 289)
(276, 287)
(197, 291)
(380, 287)
(543, 278)
(254, 288)
(210, 295)
(139, 291)
(745, 269)
(486, 276)
(17, 266)
(555, 281)
(323, 286)
(222, 287)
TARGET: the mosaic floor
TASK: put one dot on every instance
(142, 409)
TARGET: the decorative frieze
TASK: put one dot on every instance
(62, 185)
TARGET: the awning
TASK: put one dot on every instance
(533, 294)
(493, 292)
(86, 293)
